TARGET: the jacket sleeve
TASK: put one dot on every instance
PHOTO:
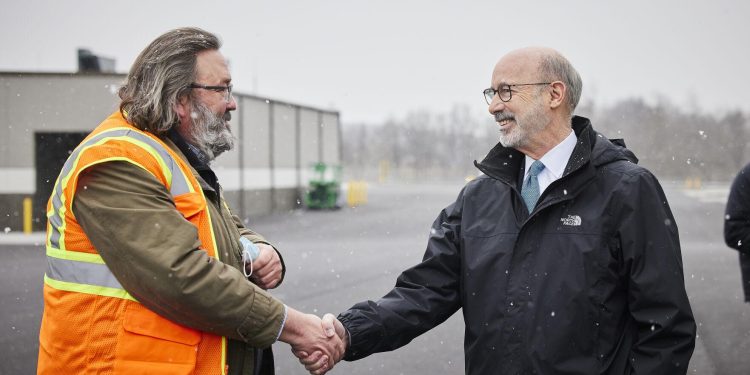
(657, 300)
(737, 218)
(424, 296)
(257, 238)
(155, 254)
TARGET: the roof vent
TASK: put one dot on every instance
(90, 63)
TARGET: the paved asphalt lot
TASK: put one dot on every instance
(337, 258)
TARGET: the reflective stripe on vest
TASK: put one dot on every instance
(56, 215)
(76, 271)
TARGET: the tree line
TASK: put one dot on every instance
(424, 145)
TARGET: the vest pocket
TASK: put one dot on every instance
(151, 344)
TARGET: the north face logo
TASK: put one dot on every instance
(571, 220)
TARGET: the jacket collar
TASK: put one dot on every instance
(194, 155)
(592, 149)
(206, 177)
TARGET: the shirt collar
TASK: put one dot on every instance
(195, 156)
(557, 158)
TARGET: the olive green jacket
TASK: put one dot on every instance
(154, 252)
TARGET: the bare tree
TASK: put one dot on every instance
(670, 142)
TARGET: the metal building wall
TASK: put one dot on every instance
(266, 171)
(31, 103)
(310, 141)
(42, 102)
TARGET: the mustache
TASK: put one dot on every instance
(226, 117)
(502, 116)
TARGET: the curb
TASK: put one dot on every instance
(18, 238)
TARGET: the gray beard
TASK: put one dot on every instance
(210, 132)
(526, 126)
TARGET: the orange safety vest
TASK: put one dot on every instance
(90, 323)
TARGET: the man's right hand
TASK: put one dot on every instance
(332, 328)
(305, 333)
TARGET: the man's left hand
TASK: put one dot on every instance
(267, 268)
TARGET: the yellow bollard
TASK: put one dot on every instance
(384, 169)
(356, 194)
(350, 191)
(362, 192)
(693, 183)
(353, 191)
(27, 212)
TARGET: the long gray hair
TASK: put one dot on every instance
(160, 76)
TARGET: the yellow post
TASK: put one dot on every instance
(27, 212)
(356, 194)
(362, 196)
(384, 171)
(350, 187)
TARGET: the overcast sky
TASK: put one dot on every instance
(372, 60)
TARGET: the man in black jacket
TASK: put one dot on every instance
(564, 256)
(737, 224)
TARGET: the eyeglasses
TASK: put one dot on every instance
(227, 88)
(504, 91)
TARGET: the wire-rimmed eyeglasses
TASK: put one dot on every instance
(504, 91)
(227, 88)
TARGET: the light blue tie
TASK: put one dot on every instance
(530, 189)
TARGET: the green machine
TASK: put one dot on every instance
(324, 187)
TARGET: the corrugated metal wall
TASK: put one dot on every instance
(277, 141)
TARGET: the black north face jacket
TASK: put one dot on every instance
(590, 282)
(737, 224)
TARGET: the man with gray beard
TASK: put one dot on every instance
(564, 256)
(148, 270)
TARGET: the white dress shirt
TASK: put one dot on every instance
(554, 162)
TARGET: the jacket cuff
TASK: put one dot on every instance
(283, 322)
(264, 321)
(357, 347)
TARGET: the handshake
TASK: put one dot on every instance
(318, 343)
